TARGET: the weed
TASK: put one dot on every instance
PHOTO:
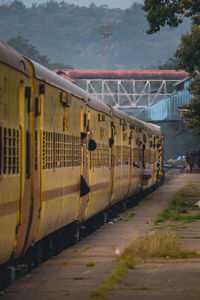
(87, 248)
(165, 245)
(91, 265)
(129, 217)
(181, 204)
(137, 288)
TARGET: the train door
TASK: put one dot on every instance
(84, 178)
(130, 141)
(36, 163)
(25, 167)
(112, 160)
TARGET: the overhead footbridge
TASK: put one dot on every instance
(126, 89)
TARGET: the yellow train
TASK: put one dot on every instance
(65, 156)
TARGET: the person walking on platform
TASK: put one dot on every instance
(191, 161)
(186, 158)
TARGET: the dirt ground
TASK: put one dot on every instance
(78, 271)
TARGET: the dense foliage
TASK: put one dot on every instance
(27, 49)
(24, 46)
(69, 34)
(172, 13)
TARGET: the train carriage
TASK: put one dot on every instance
(65, 156)
(14, 123)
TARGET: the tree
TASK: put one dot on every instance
(170, 64)
(172, 13)
(54, 66)
(24, 46)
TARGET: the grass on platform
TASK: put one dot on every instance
(166, 245)
(182, 206)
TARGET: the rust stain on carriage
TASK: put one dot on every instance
(8, 208)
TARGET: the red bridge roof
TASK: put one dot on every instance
(73, 75)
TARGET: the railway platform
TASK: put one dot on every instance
(79, 270)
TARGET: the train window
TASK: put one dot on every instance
(36, 151)
(4, 151)
(137, 141)
(9, 151)
(84, 120)
(144, 138)
(154, 142)
(61, 150)
(124, 126)
(101, 117)
(126, 155)
(1, 145)
(102, 132)
(125, 136)
(100, 157)
(76, 151)
(118, 155)
(65, 99)
(17, 151)
(14, 152)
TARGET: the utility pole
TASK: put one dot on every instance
(106, 31)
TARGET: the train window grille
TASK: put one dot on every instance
(118, 155)
(1, 147)
(125, 136)
(152, 157)
(136, 156)
(100, 157)
(10, 151)
(76, 151)
(44, 150)
(36, 151)
(102, 133)
(68, 151)
(61, 150)
(125, 155)
(147, 156)
(5, 141)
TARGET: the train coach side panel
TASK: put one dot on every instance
(12, 160)
(60, 161)
(98, 164)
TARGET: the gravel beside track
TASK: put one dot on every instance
(79, 270)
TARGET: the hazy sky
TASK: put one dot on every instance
(111, 3)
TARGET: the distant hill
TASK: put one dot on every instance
(111, 3)
(69, 34)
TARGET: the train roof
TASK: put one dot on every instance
(12, 58)
(156, 128)
(146, 126)
(50, 77)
